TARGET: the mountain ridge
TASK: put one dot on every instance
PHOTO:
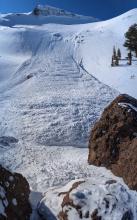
(43, 15)
(50, 10)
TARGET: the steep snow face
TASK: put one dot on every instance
(56, 101)
(12, 54)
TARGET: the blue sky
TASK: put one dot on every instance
(102, 9)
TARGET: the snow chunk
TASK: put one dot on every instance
(7, 184)
(2, 192)
(2, 209)
(127, 105)
(11, 178)
(14, 201)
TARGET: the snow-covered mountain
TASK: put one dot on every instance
(48, 10)
(44, 15)
(55, 80)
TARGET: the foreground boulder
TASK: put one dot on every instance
(113, 140)
(14, 196)
(91, 199)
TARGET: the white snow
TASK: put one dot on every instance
(49, 98)
(11, 178)
(97, 50)
(14, 202)
(54, 84)
(127, 105)
(47, 166)
(110, 198)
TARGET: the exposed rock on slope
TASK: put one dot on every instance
(14, 196)
(113, 141)
(89, 199)
(47, 10)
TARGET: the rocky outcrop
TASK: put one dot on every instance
(14, 196)
(113, 140)
(91, 199)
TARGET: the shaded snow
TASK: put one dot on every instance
(3, 201)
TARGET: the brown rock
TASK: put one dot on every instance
(69, 202)
(14, 196)
(113, 140)
(95, 216)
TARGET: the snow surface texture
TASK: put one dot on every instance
(49, 98)
(100, 198)
(50, 95)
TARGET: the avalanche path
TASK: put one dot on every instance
(49, 103)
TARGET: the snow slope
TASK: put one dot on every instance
(97, 51)
(52, 90)
(59, 101)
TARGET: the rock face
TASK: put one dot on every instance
(113, 140)
(14, 196)
(91, 199)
